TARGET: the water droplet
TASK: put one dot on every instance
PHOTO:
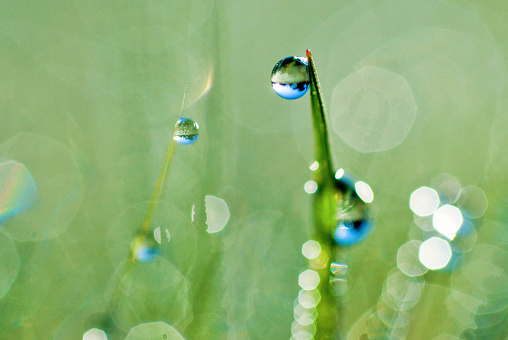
(290, 77)
(186, 131)
(338, 269)
(95, 334)
(353, 221)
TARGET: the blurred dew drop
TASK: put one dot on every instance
(169, 225)
(9, 263)
(310, 187)
(364, 192)
(154, 330)
(308, 279)
(311, 249)
(373, 109)
(309, 298)
(95, 334)
(448, 188)
(290, 77)
(447, 220)
(59, 183)
(408, 260)
(314, 166)
(424, 201)
(217, 213)
(435, 253)
(402, 292)
(142, 292)
(17, 189)
(186, 131)
(339, 173)
(472, 202)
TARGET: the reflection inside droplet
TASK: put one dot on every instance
(217, 213)
(290, 77)
(17, 189)
(339, 173)
(435, 253)
(353, 220)
(186, 131)
(364, 191)
(424, 201)
(314, 166)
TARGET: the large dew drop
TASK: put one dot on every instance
(290, 77)
(186, 131)
(353, 221)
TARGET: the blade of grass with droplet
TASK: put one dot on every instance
(325, 205)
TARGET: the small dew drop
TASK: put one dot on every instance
(157, 235)
(311, 249)
(95, 334)
(424, 201)
(364, 192)
(217, 213)
(290, 77)
(447, 220)
(186, 131)
(310, 187)
(338, 269)
(339, 174)
(435, 253)
(309, 279)
(314, 166)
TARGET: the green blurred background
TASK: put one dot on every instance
(89, 94)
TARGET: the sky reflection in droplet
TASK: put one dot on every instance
(364, 192)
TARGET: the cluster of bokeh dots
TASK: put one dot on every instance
(305, 313)
(446, 215)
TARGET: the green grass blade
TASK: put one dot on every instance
(325, 206)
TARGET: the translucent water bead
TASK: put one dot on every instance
(353, 220)
(186, 131)
(290, 77)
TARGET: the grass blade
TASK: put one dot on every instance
(325, 205)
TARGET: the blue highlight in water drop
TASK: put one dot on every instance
(353, 221)
(186, 131)
(290, 77)
(348, 233)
